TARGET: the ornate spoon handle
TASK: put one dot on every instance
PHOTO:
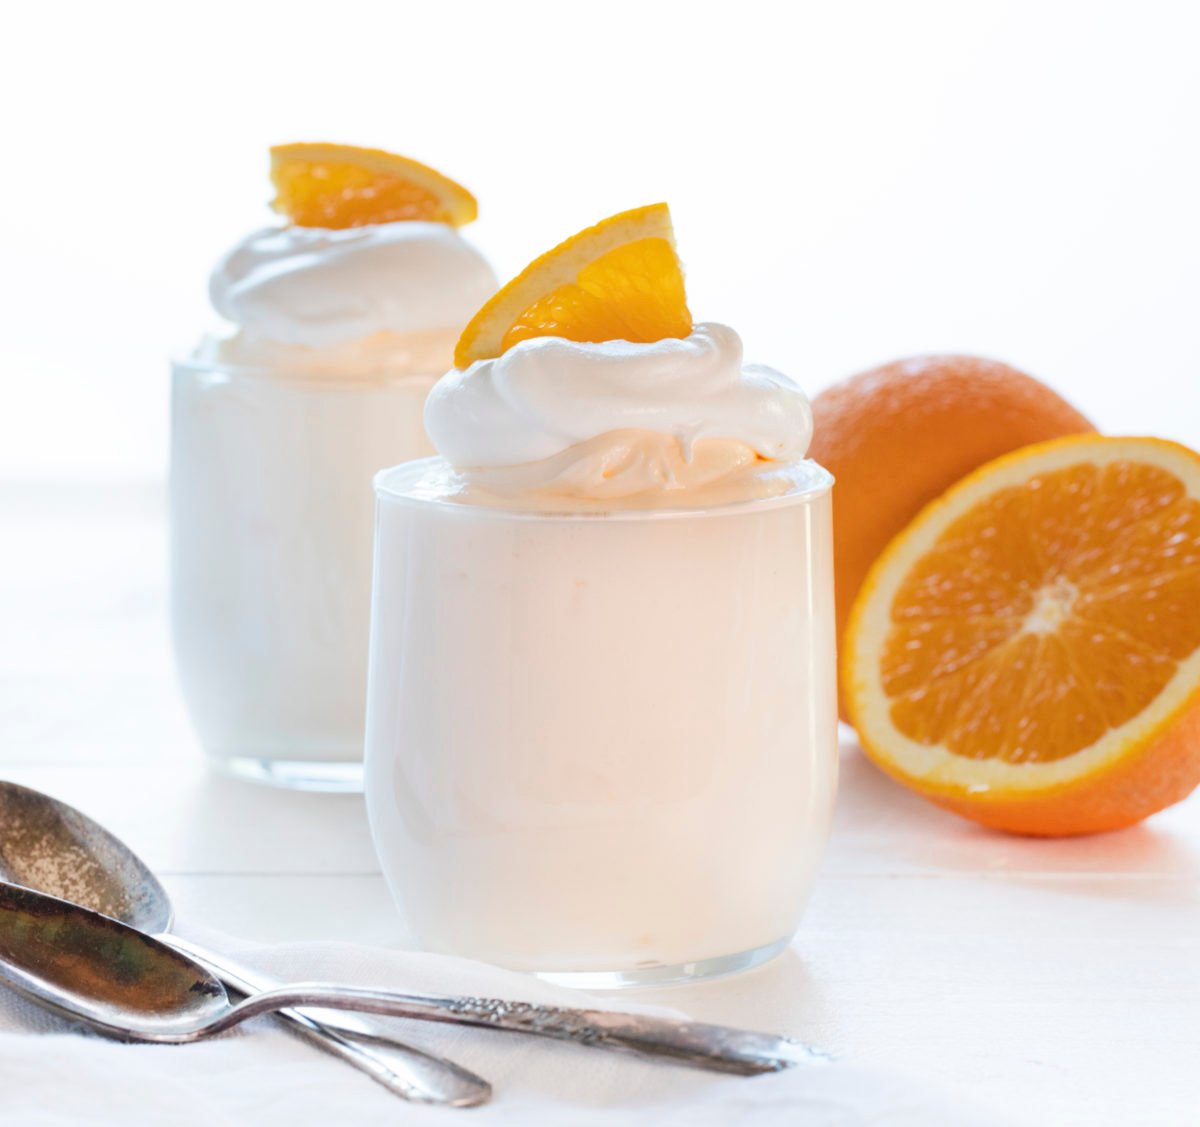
(717, 1048)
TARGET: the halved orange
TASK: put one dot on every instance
(337, 186)
(618, 280)
(1026, 653)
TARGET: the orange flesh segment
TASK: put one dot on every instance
(1049, 613)
(339, 186)
(336, 196)
(634, 293)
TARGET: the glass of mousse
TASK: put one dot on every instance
(601, 731)
(338, 322)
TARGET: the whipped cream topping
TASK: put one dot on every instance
(317, 288)
(545, 395)
(600, 422)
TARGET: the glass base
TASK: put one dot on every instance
(296, 774)
(659, 974)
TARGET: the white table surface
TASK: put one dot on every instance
(1057, 982)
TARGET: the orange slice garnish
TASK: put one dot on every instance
(618, 280)
(1027, 651)
(337, 186)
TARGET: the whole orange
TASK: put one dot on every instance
(897, 437)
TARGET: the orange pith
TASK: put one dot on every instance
(618, 280)
(1027, 652)
(338, 186)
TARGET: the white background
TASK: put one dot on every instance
(851, 182)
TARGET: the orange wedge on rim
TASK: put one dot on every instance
(618, 280)
(1026, 653)
(337, 186)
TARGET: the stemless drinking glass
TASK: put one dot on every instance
(601, 747)
(271, 523)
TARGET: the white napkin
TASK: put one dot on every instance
(51, 1075)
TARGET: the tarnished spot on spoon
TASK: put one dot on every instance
(53, 848)
(96, 962)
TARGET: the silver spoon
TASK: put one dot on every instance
(127, 984)
(51, 847)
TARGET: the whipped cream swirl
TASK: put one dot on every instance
(601, 422)
(318, 288)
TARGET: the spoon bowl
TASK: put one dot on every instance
(51, 847)
(88, 967)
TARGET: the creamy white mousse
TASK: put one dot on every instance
(279, 423)
(678, 421)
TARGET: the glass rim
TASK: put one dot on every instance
(820, 485)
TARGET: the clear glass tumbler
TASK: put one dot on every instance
(601, 748)
(271, 529)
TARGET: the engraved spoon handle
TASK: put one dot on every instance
(714, 1047)
(405, 1071)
